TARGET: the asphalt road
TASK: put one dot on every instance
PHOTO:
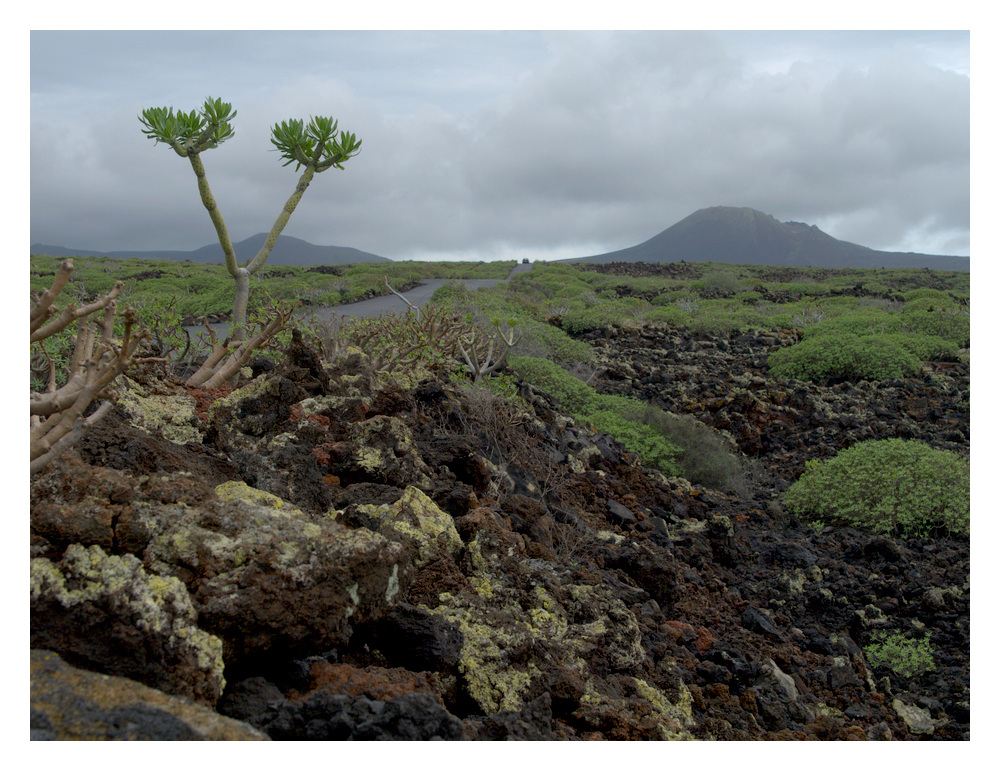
(379, 305)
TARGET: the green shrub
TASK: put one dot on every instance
(673, 315)
(721, 281)
(862, 322)
(928, 316)
(903, 656)
(926, 347)
(612, 415)
(832, 358)
(926, 292)
(553, 343)
(886, 486)
(597, 316)
(677, 445)
(572, 394)
(646, 441)
(705, 457)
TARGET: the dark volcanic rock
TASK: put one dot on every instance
(324, 716)
(387, 565)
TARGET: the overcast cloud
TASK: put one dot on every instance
(488, 145)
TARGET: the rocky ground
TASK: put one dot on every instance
(325, 553)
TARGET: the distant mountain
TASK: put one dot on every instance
(286, 251)
(749, 237)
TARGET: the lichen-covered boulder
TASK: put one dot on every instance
(510, 638)
(384, 451)
(625, 708)
(168, 412)
(418, 521)
(269, 580)
(70, 704)
(108, 613)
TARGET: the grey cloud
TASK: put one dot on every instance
(508, 140)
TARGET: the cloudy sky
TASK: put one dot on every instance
(492, 145)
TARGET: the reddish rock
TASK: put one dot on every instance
(373, 682)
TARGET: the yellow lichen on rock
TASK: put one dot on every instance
(418, 519)
(154, 604)
(675, 718)
(241, 491)
(490, 678)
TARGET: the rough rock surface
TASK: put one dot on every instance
(108, 613)
(70, 704)
(415, 560)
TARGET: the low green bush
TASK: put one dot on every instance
(886, 486)
(724, 281)
(553, 343)
(907, 658)
(862, 322)
(926, 347)
(677, 445)
(597, 316)
(930, 316)
(610, 415)
(573, 395)
(705, 456)
(653, 448)
(847, 357)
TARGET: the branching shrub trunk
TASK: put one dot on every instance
(57, 413)
(230, 356)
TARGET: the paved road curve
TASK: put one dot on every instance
(379, 305)
(418, 296)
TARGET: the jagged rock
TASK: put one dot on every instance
(532, 723)
(116, 443)
(242, 563)
(324, 716)
(248, 698)
(918, 720)
(73, 704)
(417, 520)
(108, 613)
(384, 452)
(415, 638)
(758, 622)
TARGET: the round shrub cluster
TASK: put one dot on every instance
(886, 486)
(906, 657)
(833, 359)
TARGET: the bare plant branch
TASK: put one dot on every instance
(57, 414)
(230, 356)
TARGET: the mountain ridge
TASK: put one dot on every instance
(741, 235)
(287, 250)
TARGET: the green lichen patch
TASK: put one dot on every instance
(490, 677)
(384, 448)
(249, 390)
(509, 639)
(172, 415)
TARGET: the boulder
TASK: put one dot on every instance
(70, 704)
(267, 579)
(107, 613)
